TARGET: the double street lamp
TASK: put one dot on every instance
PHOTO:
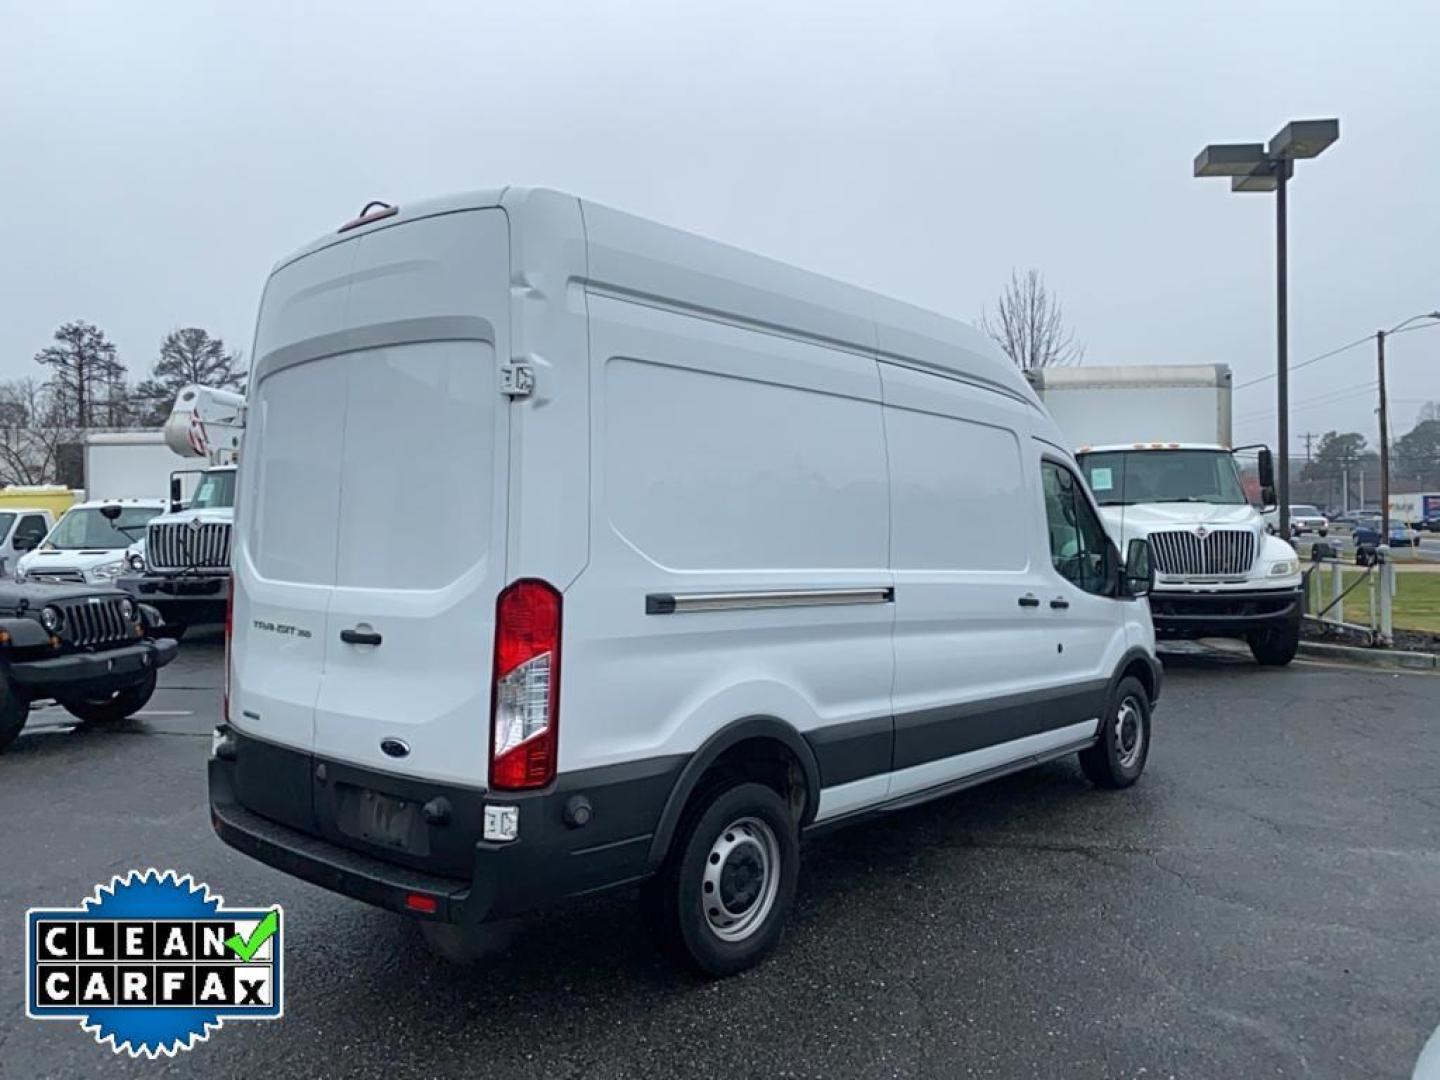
(1256, 167)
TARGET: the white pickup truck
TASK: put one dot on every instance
(21, 530)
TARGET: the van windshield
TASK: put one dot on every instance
(216, 491)
(1125, 477)
(90, 529)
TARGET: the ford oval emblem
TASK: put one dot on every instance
(395, 747)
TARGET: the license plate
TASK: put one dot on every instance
(382, 819)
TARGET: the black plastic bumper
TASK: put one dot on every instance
(1221, 614)
(182, 599)
(288, 808)
(110, 669)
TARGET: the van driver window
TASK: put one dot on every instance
(1078, 545)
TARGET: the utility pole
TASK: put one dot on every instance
(1384, 442)
(1308, 437)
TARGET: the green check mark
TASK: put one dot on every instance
(246, 948)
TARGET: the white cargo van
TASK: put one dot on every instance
(573, 551)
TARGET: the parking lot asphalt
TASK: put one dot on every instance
(1263, 903)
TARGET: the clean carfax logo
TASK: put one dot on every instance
(152, 962)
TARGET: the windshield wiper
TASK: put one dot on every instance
(1116, 502)
(1185, 499)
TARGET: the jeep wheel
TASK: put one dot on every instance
(726, 890)
(114, 706)
(14, 710)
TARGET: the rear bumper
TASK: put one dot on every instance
(283, 807)
(100, 671)
(1221, 614)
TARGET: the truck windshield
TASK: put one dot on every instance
(1124, 477)
(216, 491)
(90, 529)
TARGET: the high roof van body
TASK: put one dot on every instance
(573, 550)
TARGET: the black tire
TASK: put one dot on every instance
(1118, 759)
(113, 707)
(14, 711)
(1275, 646)
(745, 833)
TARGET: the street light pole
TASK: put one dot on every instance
(1257, 167)
(1282, 349)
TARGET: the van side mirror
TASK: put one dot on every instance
(174, 493)
(25, 542)
(1138, 576)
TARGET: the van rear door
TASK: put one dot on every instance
(420, 547)
(373, 499)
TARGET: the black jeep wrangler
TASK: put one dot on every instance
(92, 649)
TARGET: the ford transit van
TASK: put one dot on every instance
(572, 551)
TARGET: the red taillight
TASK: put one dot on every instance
(426, 905)
(525, 694)
(229, 632)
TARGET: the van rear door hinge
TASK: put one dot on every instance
(517, 380)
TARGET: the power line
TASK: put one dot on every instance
(1333, 352)
(1328, 398)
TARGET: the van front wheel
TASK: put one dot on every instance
(725, 893)
(1118, 758)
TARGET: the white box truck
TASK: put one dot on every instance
(1417, 509)
(127, 465)
(1154, 444)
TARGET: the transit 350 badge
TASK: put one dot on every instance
(152, 962)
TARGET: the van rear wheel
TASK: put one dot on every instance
(724, 894)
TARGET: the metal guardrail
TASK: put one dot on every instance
(1377, 577)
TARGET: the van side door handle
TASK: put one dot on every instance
(1029, 601)
(1059, 603)
(356, 636)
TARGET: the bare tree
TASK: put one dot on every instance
(84, 371)
(1029, 325)
(34, 429)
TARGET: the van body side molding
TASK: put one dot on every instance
(672, 604)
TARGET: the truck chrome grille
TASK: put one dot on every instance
(178, 545)
(1222, 553)
(94, 621)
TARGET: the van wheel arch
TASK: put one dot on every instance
(1136, 664)
(750, 747)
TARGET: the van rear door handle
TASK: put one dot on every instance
(356, 636)
(1029, 601)
(1059, 604)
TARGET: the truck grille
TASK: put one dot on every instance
(178, 545)
(1224, 552)
(97, 621)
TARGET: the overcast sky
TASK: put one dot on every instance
(156, 158)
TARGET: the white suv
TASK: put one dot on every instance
(575, 551)
(1303, 519)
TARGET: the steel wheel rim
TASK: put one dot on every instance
(741, 879)
(1129, 732)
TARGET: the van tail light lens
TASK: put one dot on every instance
(229, 633)
(526, 692)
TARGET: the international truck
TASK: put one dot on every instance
(184, 568)
(1154, 443)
